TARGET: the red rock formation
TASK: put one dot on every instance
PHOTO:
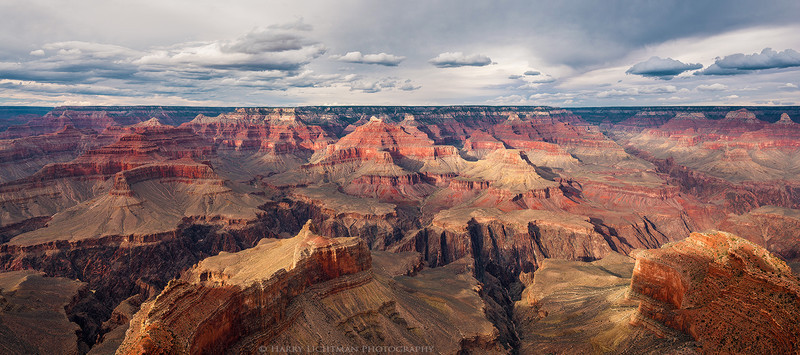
(563, 133)
(775, 228)
(730, 295)
(481, 143)
(258, 298)
(391, 188)
(24, 156)
(399, 140)
(265, 130)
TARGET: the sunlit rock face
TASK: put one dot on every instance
(727, 293)
(468, 229)
(310, 289)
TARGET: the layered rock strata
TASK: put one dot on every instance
(300, 292)
(727, 293)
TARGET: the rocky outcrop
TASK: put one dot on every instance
(775, 228)
(785, 120)
(481, 143)
(729, 294)
(269, 296)
(40, 314)
(581, 307)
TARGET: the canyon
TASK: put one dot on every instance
(453, 229)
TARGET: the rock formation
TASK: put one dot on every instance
(36, 313)
(306, 291)
(581, 307)
(729, 294)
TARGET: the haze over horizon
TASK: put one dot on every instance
(287, 53)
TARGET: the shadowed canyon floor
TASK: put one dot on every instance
(448, 229)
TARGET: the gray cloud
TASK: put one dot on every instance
(265, 40)
(459, 59)
(532, 72)
(384, 59)
(662, 68)
(740, 63)
(272, 59)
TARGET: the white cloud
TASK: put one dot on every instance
(459, 59)
(712, 87)
(617, 93)
(389, 60)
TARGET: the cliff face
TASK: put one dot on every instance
(38, 313)
(261, 141)
(739, 147)
(581, 307)
(709, 293)
(274, 294)
(21, 157)
(727, 293)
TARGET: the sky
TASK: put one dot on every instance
(567, 53)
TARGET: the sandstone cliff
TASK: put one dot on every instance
(306, 291)
(729, 294)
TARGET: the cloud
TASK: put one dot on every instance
(265, 40)
(662, 68)
(408, 86)
(618, 93)
(789, 86)
(529, 80)
(644, 90)
(740, 63)
(712, 87)
(509, 100)
(384, 59)
(459, 59)
(665, 89)
(265, 59)
(382, 84)
(767, 59)
(260, 49)
(73, 61)
(543, 79)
